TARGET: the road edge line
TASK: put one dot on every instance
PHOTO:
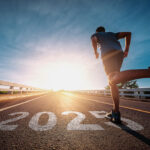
(6, 108)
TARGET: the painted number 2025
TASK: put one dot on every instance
(74, 124)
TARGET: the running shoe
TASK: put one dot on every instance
(114, 117)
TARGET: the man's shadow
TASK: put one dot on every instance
(134, 133)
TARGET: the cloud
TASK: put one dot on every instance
(38, 34)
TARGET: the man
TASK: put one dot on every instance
(112, 57)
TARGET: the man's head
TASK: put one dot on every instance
(100, 29)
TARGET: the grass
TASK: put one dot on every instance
(4, 92)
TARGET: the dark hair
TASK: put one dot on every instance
(100, 29)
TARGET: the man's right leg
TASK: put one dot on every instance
(118, 77)
(115, 97)
(114, 115)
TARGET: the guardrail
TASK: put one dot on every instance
(139, 93)
(22, 88)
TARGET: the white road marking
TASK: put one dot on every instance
(52, 120)
(5, 127)
(130, 125)
(75, 124)
(98, 114)
(6, 108)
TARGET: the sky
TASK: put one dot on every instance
(46, 43)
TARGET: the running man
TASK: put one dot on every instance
(112, 57)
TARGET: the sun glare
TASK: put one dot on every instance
(63, 76)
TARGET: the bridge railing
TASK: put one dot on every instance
(138, 93)
(15, 87)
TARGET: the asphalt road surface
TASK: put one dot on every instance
(67, 121)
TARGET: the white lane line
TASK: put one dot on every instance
(6, 108)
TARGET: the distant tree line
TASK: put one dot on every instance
(127, 85)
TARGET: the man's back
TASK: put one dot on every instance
(108, 41)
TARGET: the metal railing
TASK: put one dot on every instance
(139, 93)
(21, 88)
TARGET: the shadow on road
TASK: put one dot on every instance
(135, 134)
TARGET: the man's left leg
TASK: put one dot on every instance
(127, 75)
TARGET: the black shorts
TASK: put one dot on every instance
(112, 61)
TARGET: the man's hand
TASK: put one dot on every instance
(127, 36)
(97, 55)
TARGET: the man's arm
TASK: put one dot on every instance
(127, 36)
(94, 44)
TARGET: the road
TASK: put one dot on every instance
(69, 121)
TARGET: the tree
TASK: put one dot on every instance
(127, 85)
(107, 87)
